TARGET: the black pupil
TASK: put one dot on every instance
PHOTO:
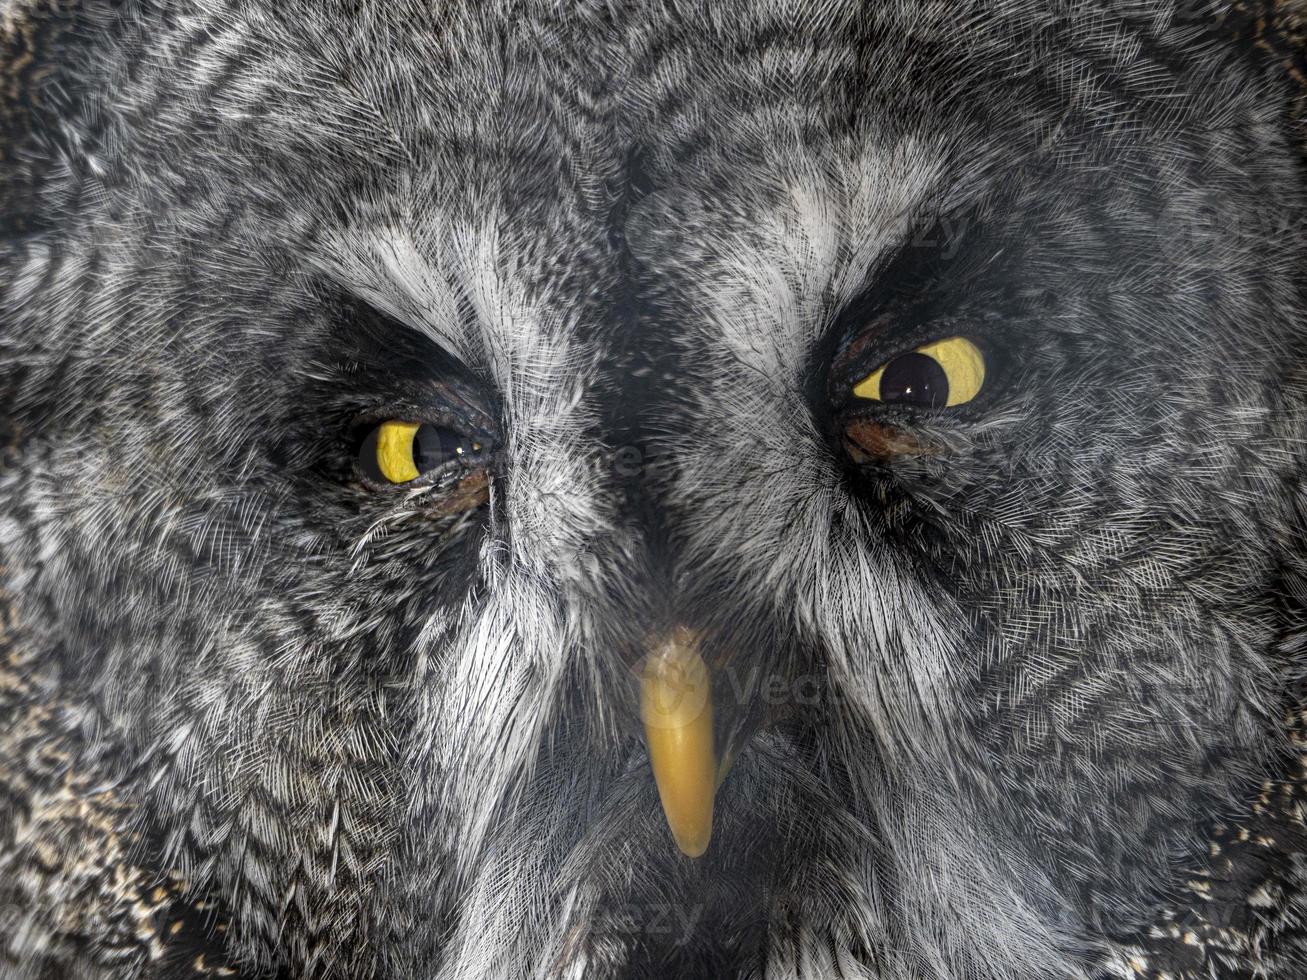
(914, 379)
(433, 447)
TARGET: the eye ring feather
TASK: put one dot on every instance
(941, 374)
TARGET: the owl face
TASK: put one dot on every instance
(466, 460)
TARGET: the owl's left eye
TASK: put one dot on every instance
(398, 451)
(942, 374)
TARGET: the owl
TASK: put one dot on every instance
(598, 489)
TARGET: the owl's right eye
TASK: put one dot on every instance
(943, 374)
(398, 451)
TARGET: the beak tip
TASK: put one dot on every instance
(693, 847)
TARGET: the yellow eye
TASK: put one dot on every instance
(399, 452)
(395, 451)
(940, 374)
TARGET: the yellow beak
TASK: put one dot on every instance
(676, 707)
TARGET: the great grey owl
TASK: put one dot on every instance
(587, 488)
